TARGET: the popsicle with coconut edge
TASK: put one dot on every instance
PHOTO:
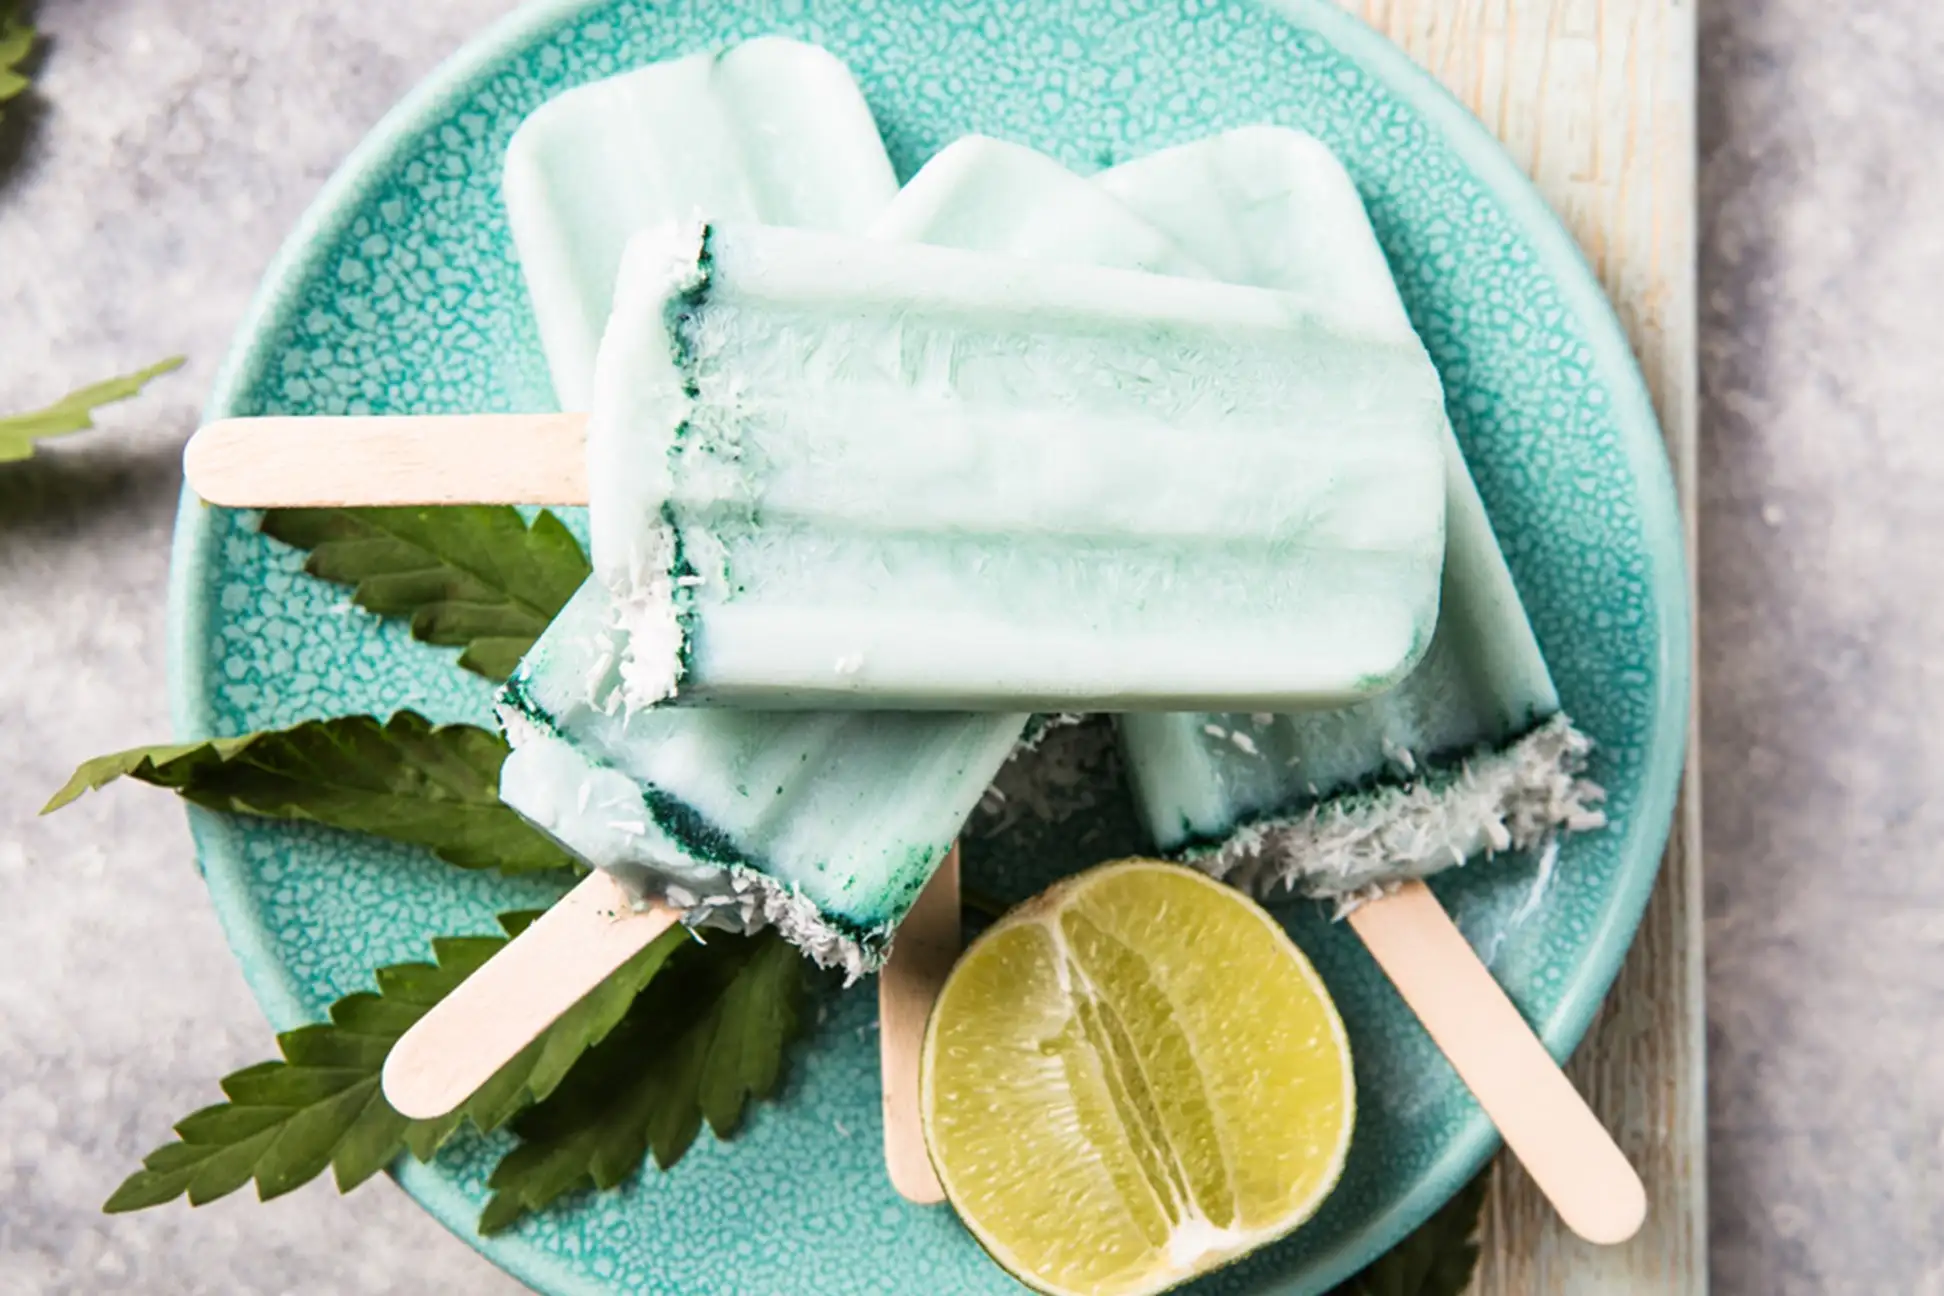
(1469, 755)
(784, 137)
(833, 472)
(1569, 1154)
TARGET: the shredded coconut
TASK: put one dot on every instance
(645, 633)
(646, 616)
(1043, 724)
(1053, 773)
(1355, 847)
(754, 901)
(519, 727)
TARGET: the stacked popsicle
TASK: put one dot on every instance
(875, 474)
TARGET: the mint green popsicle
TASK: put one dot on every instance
(1470, 754)
(829, 471)
(773, 130)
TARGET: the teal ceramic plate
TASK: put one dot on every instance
(399, 293)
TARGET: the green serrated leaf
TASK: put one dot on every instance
(372, 1142)
(519, 920)
(328, 1047)
(1435, 1260)
(404, 780)
(74, 412)
(17, 39)
(305, 1139)
(541, 1067)
(229, 1123)
(272, 1085)
(226, 1167)
(758, 1019)
(285, 1122)
(471, 576)
(705, 1037)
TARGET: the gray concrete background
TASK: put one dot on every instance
(179, 140)
(1822, 554)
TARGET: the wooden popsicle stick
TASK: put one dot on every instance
(927, 945)
(390, 460)
(1567, 1152)
(519, 992)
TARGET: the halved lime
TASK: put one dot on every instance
(1133, 1079)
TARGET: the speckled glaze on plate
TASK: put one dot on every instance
(398, 293)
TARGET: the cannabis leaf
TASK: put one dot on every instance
(74, 412)
(1437, 1259)
(702, 1040)
(17, 39)
(404, 780)
(472, 576)
(322, 1105)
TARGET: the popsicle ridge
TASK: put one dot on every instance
(1362, 844)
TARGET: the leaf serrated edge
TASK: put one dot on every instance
(434, 763)
(261, 1135)
(655, 1108)
(543, 546)
(17, 41)
(20, 434)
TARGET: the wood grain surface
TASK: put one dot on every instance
(927, 946)
(1595, 99)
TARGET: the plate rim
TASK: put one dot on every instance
(1639, 438)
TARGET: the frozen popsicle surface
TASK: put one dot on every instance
(828, 471)
(987, 195)
(773, 131)
(1469, 753)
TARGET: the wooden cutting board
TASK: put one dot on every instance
(1595, 99)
